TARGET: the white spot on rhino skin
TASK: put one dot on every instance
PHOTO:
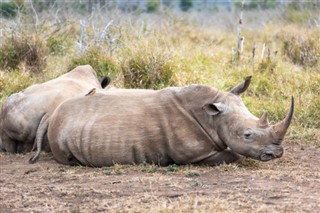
(176, 89)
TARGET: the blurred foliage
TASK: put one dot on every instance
(28, 50)
(41, 5)
(8, 9)
(256, 4)
(302, 49)
(186, 5)
(153, 5)
(56, 45)
(14, 82)
(265, 4)
(266, 65)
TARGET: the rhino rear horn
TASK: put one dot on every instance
(240, 88)
(281, 127)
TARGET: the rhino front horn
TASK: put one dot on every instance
(281, 127)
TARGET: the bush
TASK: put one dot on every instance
(254, 4)
(56, 46)
(297, 16)
(103, 64)
(8, 10)
(302, 49)
(14, 82)
(41, 5)
(147, 71)
(185, 5)
(153, 5)
(25, 49)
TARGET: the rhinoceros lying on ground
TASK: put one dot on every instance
(22, 113)
(196, 124)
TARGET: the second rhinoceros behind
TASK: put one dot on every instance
(196, 124)
(24, 115)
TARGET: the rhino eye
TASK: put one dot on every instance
(247, 135)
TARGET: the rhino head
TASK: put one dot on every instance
(244, 133)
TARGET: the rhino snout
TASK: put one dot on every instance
(270, 154)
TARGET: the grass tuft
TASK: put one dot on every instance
(102, 63)
(146, 69)
(23, 50)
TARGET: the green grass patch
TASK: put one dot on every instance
(101, 62)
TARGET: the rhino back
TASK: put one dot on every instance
(101, 130)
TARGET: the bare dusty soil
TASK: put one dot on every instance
(289, 184)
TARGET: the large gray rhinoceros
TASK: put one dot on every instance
(196, 124)
(22, 113)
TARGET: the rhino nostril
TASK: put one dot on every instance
(270, 153)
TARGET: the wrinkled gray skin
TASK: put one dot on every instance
(24, 115)
(196, 124)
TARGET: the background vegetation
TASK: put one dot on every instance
(163, 46)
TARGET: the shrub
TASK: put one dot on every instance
(101, 63)
(254, 4)
(56, 46)
(8, 9)
(185, 5)
(26, 49)
(268, 4)
(13, 82)
(144, 70)
(41, 5)
(302, 49)
(153, 5)
(296, 16)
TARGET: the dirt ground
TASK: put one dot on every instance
(289, 184)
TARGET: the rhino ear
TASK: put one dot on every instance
(240, 88)
(215, 108)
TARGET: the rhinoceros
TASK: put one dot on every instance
(196, 124)
(22, 113)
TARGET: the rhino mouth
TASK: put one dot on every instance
(269, 155)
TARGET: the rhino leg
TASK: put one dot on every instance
(226, 156)
(40, 137)
(7, 144)
(14, 146)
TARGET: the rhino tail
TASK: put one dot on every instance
(41, 132)
(105, 82)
